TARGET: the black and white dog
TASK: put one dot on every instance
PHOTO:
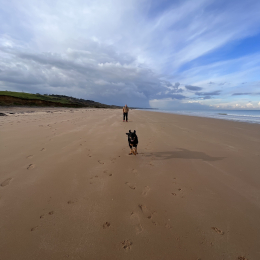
(133, 142)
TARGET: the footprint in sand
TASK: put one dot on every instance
(130, 185)
(70, 202)
(136, 223)
(30, 166)
(218, 230)
(6, 182)
(42, 216)
(106, 225)
(100, 162)
(34, 228)
(154, 222)
(51, 213)
(43, 149)
(168, 226)
(241, 258)
(126, 245)
(147, 213)
(146, 190)
(134, 171)
(110, 174)
(29, 157)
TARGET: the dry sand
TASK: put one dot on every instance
(69, 189)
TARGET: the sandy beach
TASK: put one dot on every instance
(69, 189)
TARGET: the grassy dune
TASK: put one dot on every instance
(21, 98)
(35, 96)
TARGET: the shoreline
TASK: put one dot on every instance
(218, 115)
(69, 189)
(31, 109)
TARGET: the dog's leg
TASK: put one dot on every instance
(136, 150)
(131, 149)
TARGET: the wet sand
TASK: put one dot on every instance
(69, 189)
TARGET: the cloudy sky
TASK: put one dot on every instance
(176, 54)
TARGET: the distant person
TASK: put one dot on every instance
(125, 113)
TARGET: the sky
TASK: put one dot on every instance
(178, 54)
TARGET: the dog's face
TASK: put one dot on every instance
(131, 136)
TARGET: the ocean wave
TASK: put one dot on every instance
(248, 116)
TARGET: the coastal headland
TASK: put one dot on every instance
(69, 189)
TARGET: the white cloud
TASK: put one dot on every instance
(124, 49)
(173, 104)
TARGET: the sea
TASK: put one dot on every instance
(247, 116)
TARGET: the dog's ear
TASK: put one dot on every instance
(129, 131)
(134, 131)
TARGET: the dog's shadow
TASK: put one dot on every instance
(182, 154)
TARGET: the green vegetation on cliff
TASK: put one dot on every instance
(9, 98)
(34, 96)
